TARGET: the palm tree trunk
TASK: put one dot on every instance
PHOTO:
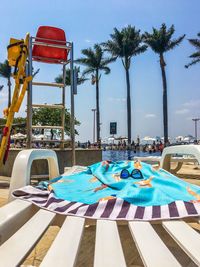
(165, 111)
(9, 92)
(128, 104)
(97, 108)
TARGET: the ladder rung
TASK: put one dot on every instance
(47, 59)
(48, 84)
(51, 45)
(47, 106)
(46, 127)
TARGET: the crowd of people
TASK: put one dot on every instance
(156, 146)
(136, 147)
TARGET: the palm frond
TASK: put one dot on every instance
(105, 69)
(94, 60)
(80, 79)
(175, 42)
(160, 40)
(59, 79)
(5, 69)
(195, 43)
(193, 63)
(196, 55)
(106, 61)
(82, 61)
(35, 72)
(125, 43)
(88, 71)
(140, 50)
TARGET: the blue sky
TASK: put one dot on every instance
(88, 22)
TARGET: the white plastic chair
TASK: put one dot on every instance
(175, 154)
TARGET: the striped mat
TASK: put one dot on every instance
(114, 209)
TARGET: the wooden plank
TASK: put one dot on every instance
(187, 238)
(12, 216)
(65, 247)
(151, 248)
(47, 106)
(48, 84)
(108, 249)
(50, 141)
(59, 61)
(46, 127)
(21, 243)
(52, 45)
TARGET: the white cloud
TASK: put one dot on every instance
(182, 111)
(87, 40)
(192, 103)
(116, 99)
(150, 115)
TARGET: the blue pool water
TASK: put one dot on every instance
(116, 155)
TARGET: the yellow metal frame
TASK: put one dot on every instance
(21, 84)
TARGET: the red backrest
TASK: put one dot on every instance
(50, 54)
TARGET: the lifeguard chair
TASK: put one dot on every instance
(46, 53)
(50, 46)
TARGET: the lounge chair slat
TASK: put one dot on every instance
(108, 249)
(151, 248)
(13, 216)
(187, 238)
(16, 248)
(64, 249)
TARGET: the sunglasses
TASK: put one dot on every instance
(135, 174)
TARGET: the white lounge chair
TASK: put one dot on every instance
(22, 225)
(179, 154)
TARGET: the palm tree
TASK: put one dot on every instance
(126, 44)
(195, 56)
(95, 62)
(80, 79)
(5, 72)
(160, 41)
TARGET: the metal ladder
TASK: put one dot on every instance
(31, 106)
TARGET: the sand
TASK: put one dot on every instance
(86, 254)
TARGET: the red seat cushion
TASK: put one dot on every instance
(50, 54)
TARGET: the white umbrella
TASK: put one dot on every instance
(38, 137)
(18, 136)
(148, 138)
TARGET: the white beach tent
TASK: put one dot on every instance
(148, 140)
(179, 138)
(189, 138)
